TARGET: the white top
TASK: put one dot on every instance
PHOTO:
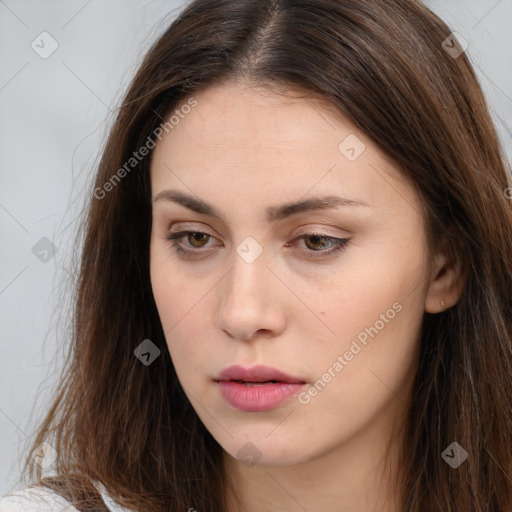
(40, 499)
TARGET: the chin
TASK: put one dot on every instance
(259, 450)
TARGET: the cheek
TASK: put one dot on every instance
(373, 310)
(174, 294)
(183, 318)
(362, 287)
(369, 378)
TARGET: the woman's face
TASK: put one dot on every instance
(263, 282)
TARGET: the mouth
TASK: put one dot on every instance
(259, 374)
(253, 383)
(257, 389)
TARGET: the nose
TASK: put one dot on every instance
(251, 301)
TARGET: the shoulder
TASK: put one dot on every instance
(35, 499)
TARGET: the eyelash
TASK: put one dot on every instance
(339, 243)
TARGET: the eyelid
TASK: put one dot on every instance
(310, 230)
(320, 231)
(190, 226)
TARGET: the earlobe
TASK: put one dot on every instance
(446, 285)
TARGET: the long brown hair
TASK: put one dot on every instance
(386, 66)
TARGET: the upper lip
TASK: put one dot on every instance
(257, 373)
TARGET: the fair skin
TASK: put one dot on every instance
(243, 149)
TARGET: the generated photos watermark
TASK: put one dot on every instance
(144, 150)
(454, 455)
(355, 348)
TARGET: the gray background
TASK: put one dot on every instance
(54, 114)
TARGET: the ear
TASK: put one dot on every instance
(447, 281)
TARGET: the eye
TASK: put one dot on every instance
(197, 240)
(315, 242)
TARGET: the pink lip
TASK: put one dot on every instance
(239, 387)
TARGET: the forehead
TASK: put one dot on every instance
(243, 115)
(241, 141)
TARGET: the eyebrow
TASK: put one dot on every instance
(273, 213)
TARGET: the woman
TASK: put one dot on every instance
(296, 280)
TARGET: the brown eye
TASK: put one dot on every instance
(317, 242)
(319, 245)
(196, 239)
(189, 243)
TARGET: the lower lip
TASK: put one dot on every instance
(257, 397)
